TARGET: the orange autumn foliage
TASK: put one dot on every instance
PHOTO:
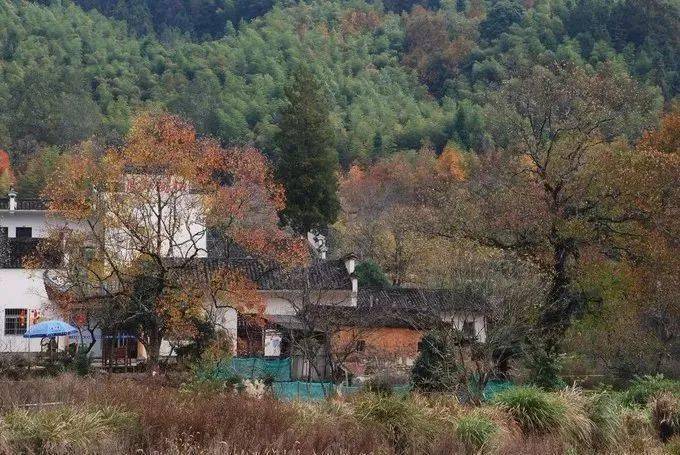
(6, 175)
(666, 138)
(146, 209)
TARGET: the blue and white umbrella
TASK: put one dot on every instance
(50, 329)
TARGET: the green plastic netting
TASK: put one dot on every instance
(304, 391)
(257, 368)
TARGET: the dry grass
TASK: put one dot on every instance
(116, 416)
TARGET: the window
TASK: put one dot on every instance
(24, 232)
(15, 321)
(469, 329)
(361, 345)
(4, 232)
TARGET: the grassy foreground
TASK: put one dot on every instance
(69, 414)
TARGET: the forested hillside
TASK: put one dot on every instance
(398, 74)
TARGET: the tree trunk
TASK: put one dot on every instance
(153, 349)
(561, 302)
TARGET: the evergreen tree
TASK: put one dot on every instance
(308, 162)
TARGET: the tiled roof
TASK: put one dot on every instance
(415, 299)
(320, 274)
(398, 307)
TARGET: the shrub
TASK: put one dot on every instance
(82, 363)
(370, 274)
(665, 415)
(13, 366)
(436, 368)
(379, 385)
(605, 412)
(66, 429)
(637, 430)
(544, 369)
(476, 431)
(534, 410)
(644, 388)
(575, 426)
(402, 421)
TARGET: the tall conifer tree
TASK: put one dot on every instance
(308, 163)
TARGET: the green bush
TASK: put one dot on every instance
(544, 370)
(643, 389)
(476, 432)
(404, 423)
(380, 385)
(534, 410)
(605, 413)
(66, 429)
(82, 363)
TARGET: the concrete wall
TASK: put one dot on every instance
(479, 321)
(22, 289)
(36, 220)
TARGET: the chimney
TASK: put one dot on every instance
(350, 265)
(318, 242)
(12, 199)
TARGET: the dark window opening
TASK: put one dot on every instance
(24, 232)
(15, 321)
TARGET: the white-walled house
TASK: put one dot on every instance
(23, 299)
(328, 283)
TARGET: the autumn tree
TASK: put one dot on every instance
(431, 51)
(136, 220)
(633, 326)
(560, 183)
(308, 163)
(6, 175)
(383, 206)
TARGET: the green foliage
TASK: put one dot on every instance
(534, 410)
(435, 368)
(604, 411)
(544, 369)
(379, 385)
(82, 363)
(476, 431)
(308, 163)
(66, 429)
(38, 167)
(402, 420)
(371, 275)
(642, 389)
(199, 18)
(500, 17)
(68, 74)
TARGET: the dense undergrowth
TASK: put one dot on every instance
(94, 415)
